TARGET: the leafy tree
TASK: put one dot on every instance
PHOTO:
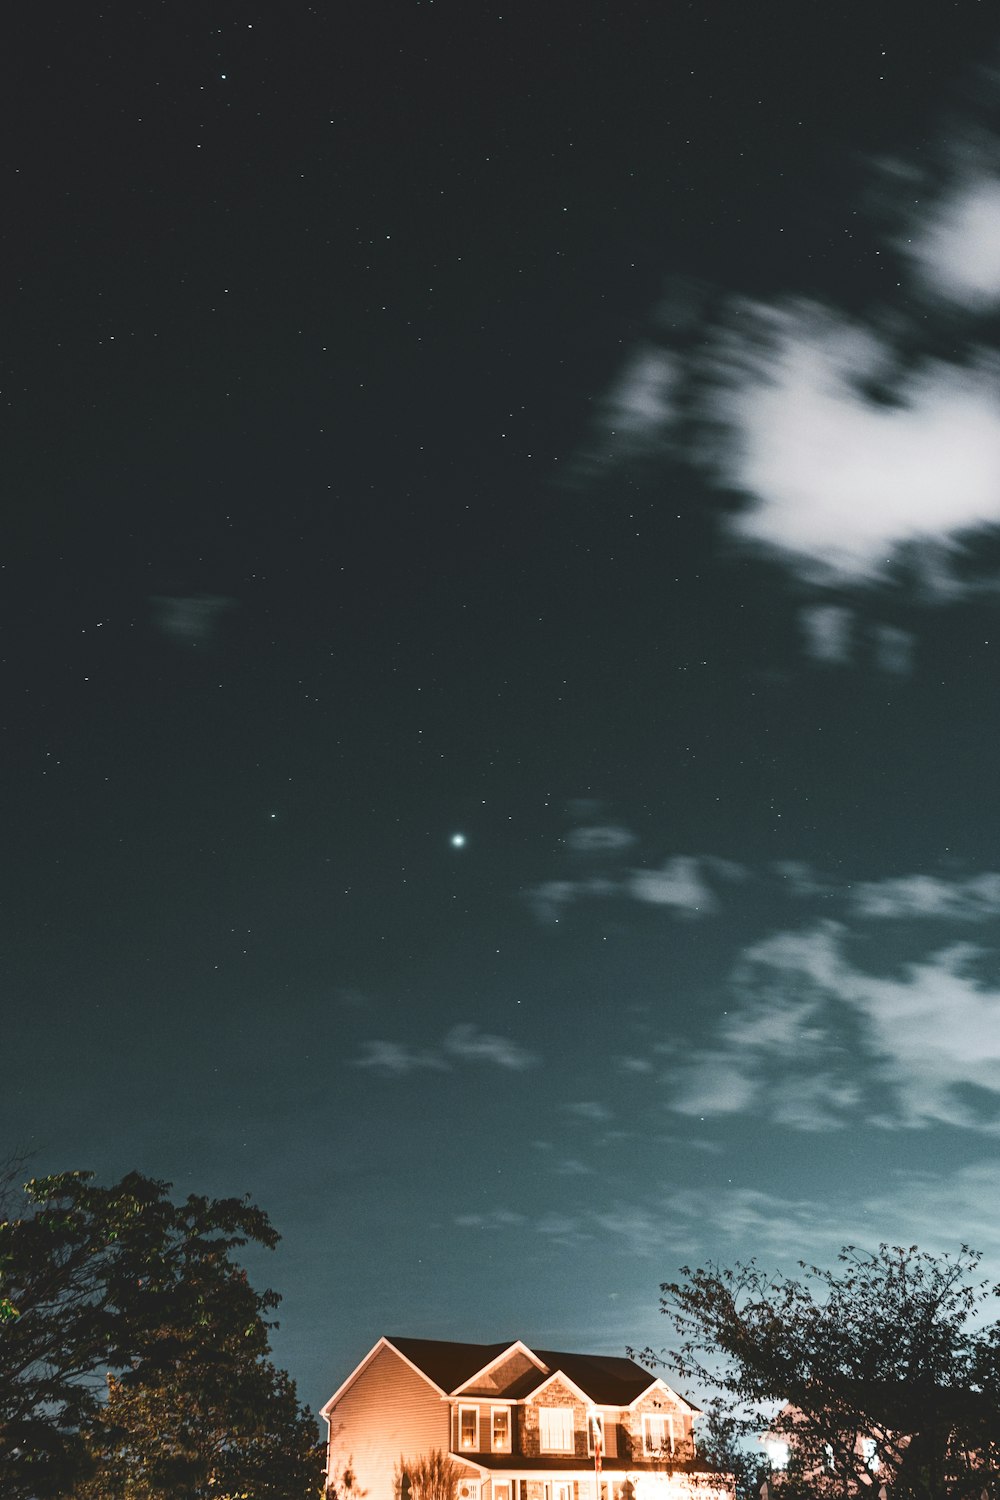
(133, 1351)
(879, 1374)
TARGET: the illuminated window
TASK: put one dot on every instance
(468, 1428)
(778, 1453)
(657, 1434)
(501, 1429)
(555, 1429)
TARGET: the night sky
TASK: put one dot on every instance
(501, 657)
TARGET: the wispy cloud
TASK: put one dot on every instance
(464, 1043)
(600, 838)
(935, 1210)
(860, 452)
(816, 1042)
(396, 1059)
(833, 635)
(493, 1218)
(681, 884)
(635, 412)
(956, 250)
(468, 1044)
(975, 899)
(588, 1109)
(190, 619)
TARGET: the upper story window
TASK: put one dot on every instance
(501, 1429)
(657, 1434)
(468, 1428)
(869, 1452)
(778, 1452)
(595, 1432)
(555, 1429)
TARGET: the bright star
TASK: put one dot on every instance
(458, 841)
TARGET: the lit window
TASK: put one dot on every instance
(501, 1429)
(778, 1453)
(555, 1429)
(468, 1428)
(657, 1434)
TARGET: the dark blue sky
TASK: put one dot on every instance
(572, 428)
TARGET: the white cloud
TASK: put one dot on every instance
(956, 253)
(800, 879)
(936, 1211)
(396, 1059)
(713, 1085)
(494, 1218)
(827, 631)
(467, 1043)
(678, 884)
(190, 619)
(571, 1166)
(600, 838)
(815, 1042)
(839, 482)
(641, 398)
(938, 1031)
(588, 1109)
(893, 650)
(464, 1043)
(975, 899)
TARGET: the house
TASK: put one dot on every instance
(519, 1424)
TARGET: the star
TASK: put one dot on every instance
(458, 841)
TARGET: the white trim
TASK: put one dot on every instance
(557, 1375)
(468, 1406)
(515, 1347)
(658, 1384)
(648, 1451)
(505, 1408)
(544, 1447)
(473, 1463)
(383, 1343)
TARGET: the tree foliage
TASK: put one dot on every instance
(881, 1373)
(133, 1351)
(433, 1477)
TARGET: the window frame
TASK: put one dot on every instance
(648, 1418)
(505, 1447)
(565, 1412)
(463, 1408)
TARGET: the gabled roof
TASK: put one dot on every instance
(607, 1379)
(480, 1377)
(448, 1364)
(567, 1383)
(604, 1379)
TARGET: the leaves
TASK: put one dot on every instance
(884, 1360)
(122, 1279)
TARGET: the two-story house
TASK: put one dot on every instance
(519, 1424)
